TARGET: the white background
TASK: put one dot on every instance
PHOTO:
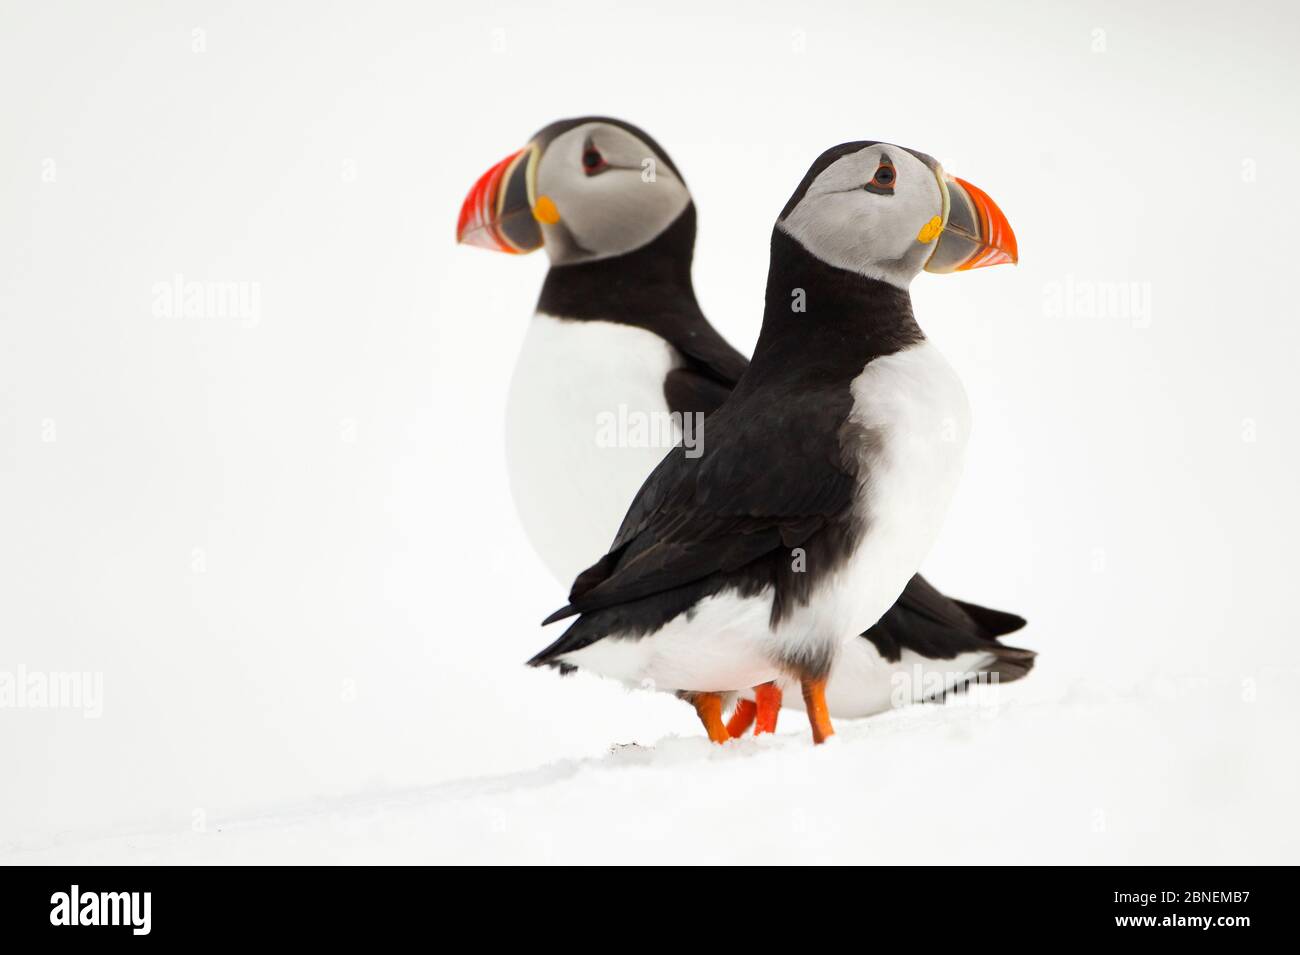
(287, 544)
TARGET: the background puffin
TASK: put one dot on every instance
(617, 324)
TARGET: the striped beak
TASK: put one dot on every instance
(974, 232)
(498, 212)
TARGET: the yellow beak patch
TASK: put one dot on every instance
(930, 231)
(544, 210)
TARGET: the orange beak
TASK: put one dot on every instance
(976, 234)
(497, 214)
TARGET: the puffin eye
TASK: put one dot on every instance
(592, 161)
(882, 183)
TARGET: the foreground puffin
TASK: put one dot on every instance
(617, 324)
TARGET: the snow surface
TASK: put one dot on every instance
(1175, 772)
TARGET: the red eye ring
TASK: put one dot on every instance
(592, 161)
(882, 181)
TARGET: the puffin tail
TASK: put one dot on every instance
(994, 623)
(575, 637)
(1009, 663)
(563, 613)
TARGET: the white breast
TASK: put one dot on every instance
(585, 424)
(917, 404)
(913, 408)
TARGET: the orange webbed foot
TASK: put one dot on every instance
(768, 707)
(742, 718)
(709, 708)
(814, 698)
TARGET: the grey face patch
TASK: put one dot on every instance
(874, 232)
(548, 134)
(615, 207)
(563, 248)
(819, 166)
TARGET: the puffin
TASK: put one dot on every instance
(618, 326)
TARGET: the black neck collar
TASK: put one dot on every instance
(848, 319)
(639, 287)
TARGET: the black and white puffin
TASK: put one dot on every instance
(617, 324)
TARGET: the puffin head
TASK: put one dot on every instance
(586, 189)
(888, 212)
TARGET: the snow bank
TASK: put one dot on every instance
(1173, 772)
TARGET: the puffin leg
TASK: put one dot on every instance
(709, 708)
(768, 707)
(741, 718)
(814, 700)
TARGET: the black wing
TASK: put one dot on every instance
(939, 628)
(710, 369)
(691, 392)
(770, 478)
